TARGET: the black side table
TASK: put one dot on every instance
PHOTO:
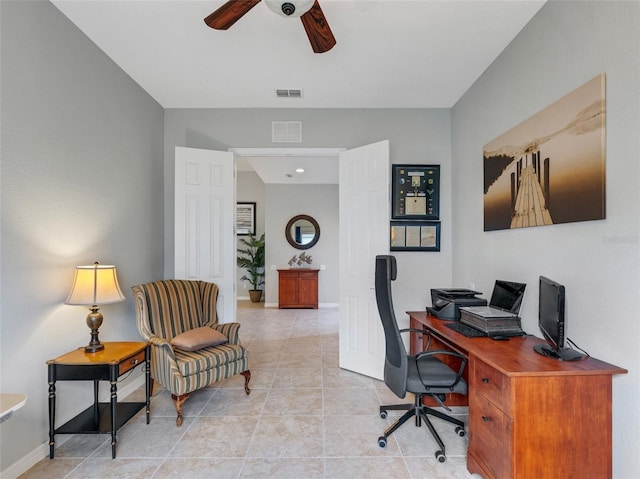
(106, 365)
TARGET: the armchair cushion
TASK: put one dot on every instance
(194, 362)
(198, 338)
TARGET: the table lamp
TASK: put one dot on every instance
(95, 285)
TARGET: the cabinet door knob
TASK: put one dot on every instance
(486, 418)
(485, 380)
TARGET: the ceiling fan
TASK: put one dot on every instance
(309, 11)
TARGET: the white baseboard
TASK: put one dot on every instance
(329, 305)
(320, 305)
(42, 451)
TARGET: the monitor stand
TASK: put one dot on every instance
(563, 354)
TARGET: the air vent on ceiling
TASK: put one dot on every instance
(286, 131)
(280, 93)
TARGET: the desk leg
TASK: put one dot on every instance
(114, 407)
(52, 414)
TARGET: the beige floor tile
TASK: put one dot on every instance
(235, 402)
(200, 468)
(356, 436)
(52, 468)
(430, 468)
(227, 436)
(287, 436)
(282, 468)
(350, 401)
(294, 402)
(100, 468)
(366, 467)
(298, 378)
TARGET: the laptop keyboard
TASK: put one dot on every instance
(468, 331)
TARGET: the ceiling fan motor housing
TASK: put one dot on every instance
(292, 8)
(288, 8)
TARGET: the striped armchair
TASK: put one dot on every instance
(168, 308)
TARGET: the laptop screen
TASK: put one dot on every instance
(507, 295)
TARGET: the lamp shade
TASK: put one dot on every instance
(290, 8)
(95, 284)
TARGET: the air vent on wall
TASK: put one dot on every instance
(286, 131)
(289, 93)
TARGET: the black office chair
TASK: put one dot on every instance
(423, 374)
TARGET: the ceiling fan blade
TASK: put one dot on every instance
(317, 28)
(229, 13)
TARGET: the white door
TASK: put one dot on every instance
(364, 233)
(204, 222)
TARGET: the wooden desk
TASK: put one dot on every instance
(109, 364)
(531, 416)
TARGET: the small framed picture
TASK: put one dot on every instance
(245, 218)
(415, 236)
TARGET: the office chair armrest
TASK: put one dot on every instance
(434, 352)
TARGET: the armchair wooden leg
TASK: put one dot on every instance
(178, 401)
(247, 378)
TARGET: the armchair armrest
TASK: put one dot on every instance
(163, 345)
(230, 330)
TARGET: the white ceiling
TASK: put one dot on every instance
(389, 54)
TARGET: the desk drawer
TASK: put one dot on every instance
(489, 436)
(488, 382)
(131, 362)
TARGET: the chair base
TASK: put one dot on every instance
(421, 413)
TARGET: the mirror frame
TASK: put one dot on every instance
(292, 242)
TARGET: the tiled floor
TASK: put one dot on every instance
(305, 418)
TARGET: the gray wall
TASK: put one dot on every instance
(320, 202)
(250, 188)
(81, 182)
(565, 45)
(415, 135)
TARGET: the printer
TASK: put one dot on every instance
(446, 303)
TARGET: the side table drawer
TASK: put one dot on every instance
(490, 432)
(131, 362)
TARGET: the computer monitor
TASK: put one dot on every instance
(551, 320)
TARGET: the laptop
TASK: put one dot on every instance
(505, 302)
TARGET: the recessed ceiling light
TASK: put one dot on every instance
(299, 170)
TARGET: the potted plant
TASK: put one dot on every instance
(251, 258)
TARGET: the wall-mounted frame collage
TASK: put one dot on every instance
(415, 208)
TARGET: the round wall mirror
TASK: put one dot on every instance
(302, 232)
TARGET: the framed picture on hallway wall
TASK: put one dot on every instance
(549, 169)
(245, 218)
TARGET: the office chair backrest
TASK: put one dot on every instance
(396, 363)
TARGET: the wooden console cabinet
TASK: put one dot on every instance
(298, 288)
(530, 416)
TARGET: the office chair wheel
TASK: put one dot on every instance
(460, 431)
(440, 456)
(382, 441)
(383, 414)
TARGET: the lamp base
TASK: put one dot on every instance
(94, 321)
(93, 348)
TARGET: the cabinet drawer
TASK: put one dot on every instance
(131, 362)
(489, 382)
(490, 436)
